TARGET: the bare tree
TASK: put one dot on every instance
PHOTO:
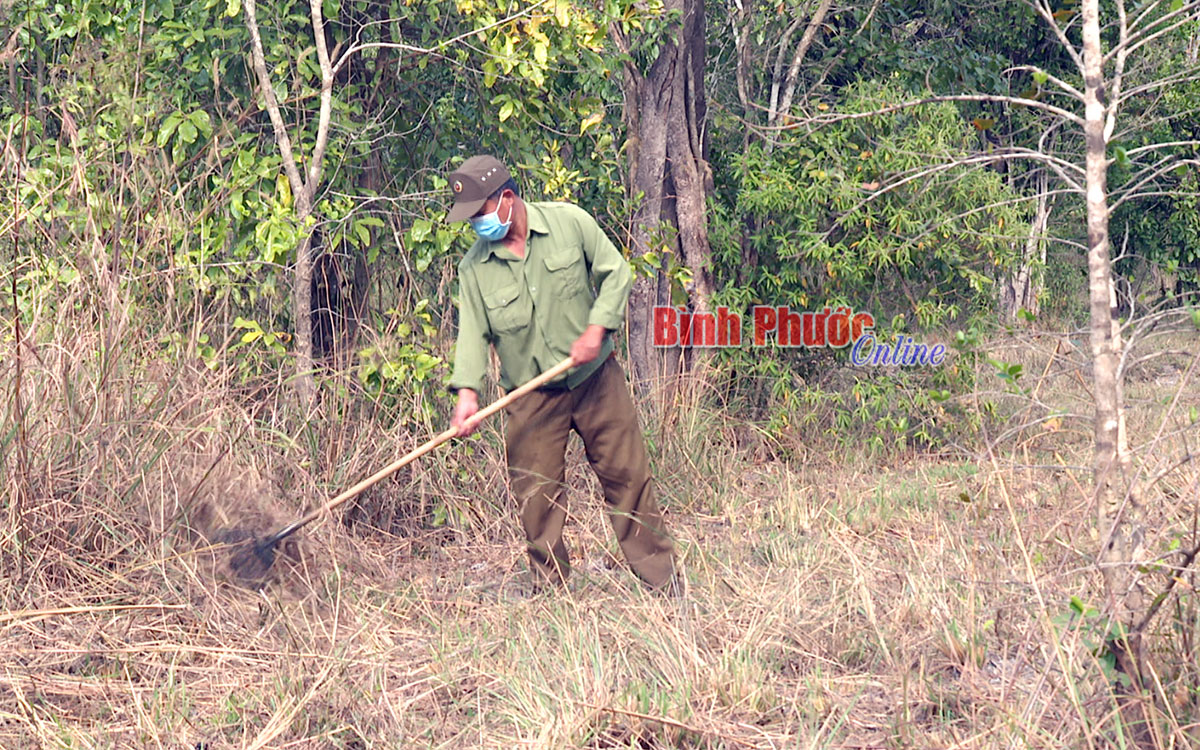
(1118, 501)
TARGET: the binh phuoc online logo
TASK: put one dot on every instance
(837, 329)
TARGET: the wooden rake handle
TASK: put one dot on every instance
(416, 453)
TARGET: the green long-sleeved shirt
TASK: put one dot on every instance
(533, 308)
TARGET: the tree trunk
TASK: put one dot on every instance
(306, 388)
(685, 156)
(664, 113)
(1117, 499)
(1024, 285)
(647, 101)
(304, 187)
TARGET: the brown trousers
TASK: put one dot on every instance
(602, 412)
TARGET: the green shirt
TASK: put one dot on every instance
(533, 308)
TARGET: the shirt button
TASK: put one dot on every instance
(533, 289)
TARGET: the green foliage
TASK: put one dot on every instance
(867, 212)
(157, 119)
(151, 152)
(873, 214)
(400, 360)
(1100, 635)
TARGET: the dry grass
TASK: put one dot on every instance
(923, 603)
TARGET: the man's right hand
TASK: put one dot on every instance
(468, 404)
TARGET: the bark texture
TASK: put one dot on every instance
(668, 176)
(1117, 498)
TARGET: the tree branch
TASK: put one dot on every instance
(1131, 193)
(1047, 15)
(1146, 11)
(777, 69)
(268, 94)
(1114, 97)
(1184, 77)
(1143, 40)
(1015, 100)
(789, 85)
(314, 168)
(1068, 88)
(741, 45)
(350, 51)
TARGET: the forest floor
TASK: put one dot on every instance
(918, 602)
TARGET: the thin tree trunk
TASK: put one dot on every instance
(684, 154)
(1118, 503)
(304, 188)
(1023, 286)
(789, 83)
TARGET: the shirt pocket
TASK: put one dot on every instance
(506, 310)
(566, 270)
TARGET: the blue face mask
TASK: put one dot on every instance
(489, 226)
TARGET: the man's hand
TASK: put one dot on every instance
(587, 346)
(468, 404)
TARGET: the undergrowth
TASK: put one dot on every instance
(836, 597)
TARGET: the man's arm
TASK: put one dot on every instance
(470, 351)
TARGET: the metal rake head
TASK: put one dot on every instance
(252, 556)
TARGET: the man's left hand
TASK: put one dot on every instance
(588, 346)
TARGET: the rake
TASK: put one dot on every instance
(257, 555)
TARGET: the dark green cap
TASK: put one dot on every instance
(473, 182)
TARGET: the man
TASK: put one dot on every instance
(524, 288)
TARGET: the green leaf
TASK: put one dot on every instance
(233, 7)
(1040, 77)
(421, 229)
(200, 119)
(187, 132)
(168, 127)
(1121, 157)
(366, 371)
(362, 233)
(594, 118)
(506, 110)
